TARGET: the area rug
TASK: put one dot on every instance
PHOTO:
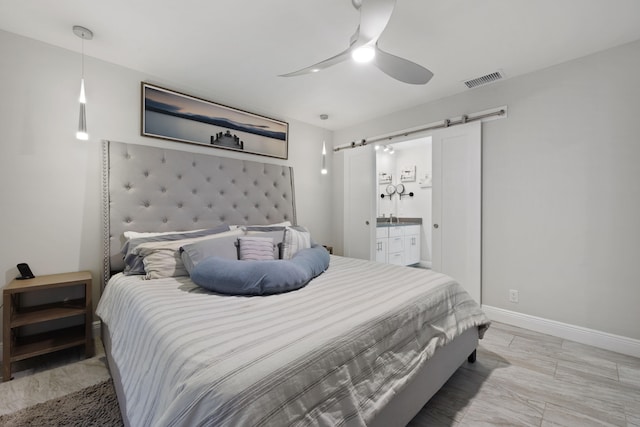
(96, 405)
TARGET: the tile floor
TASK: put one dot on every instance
(523, 378)
(50, 376)
(520, 378)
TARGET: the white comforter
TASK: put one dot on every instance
(332, 353)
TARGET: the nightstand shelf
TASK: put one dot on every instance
(18, 347)
(35, 345)
(45, 312)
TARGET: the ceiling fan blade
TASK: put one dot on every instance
(401, 69)
(374, 17)
(321, 65)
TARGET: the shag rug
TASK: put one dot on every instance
(96, 405)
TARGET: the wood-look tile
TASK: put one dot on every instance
(568, 394)
(453, 399)
(498, 337)
(497, 403)
(589, 370)
(562, 417)
(545, 348)
(595, 361)
(632, 411)
(525, 333)
(499, 406)
(487, 356)
(450, 404)
(523, 357)
(601, 353)
(629, 375)
(600, 388)
(537, 404)
(430, 417)
(633, 419)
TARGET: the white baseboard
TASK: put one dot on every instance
(604, 340)
(96, 327)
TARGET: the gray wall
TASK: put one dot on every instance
(561, 188)
(50, 182)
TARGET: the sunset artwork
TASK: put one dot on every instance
(171, 115)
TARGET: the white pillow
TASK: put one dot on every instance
(162, 259)
(295, 239)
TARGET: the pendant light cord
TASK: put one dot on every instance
(83, 55)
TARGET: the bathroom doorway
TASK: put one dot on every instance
(404, 193)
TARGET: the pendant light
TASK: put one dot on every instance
(84, 34)
(323, 171)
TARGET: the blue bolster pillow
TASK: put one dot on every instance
(268, 277)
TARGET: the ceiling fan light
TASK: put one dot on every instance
(364, 53)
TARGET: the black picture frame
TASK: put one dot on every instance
(176, 116)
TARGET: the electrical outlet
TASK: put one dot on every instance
(513, 296)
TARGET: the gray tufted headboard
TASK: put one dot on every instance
(155, 189)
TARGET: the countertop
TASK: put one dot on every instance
(397, 222)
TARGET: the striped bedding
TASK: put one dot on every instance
(330, 354)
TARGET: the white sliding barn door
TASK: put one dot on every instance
(457, 156)
(359, 202)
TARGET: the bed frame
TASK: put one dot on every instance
(154, 189)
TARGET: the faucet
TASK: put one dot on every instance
(391, 219)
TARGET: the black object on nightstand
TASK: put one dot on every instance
(25, 271)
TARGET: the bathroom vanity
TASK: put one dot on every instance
(398, 240)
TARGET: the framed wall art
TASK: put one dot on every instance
(179, 117)
(408, 174)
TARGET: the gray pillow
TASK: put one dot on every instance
(234, 277)
(223, 247)
(134, 263)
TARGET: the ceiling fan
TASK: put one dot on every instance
(363, 46)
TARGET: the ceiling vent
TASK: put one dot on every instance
(486, 79)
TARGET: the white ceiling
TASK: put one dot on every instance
(232, 51)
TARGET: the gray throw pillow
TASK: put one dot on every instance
(134, 263)
(223, 247)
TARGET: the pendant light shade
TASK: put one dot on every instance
(82, 121)
(323, 171)
(82, 134)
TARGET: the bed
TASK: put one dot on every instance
(356, 346)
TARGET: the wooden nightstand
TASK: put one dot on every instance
(16, 347)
